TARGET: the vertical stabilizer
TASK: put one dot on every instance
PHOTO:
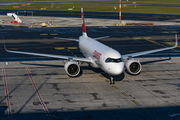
(83, 24)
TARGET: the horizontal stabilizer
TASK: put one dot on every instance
(101, 37)
(67, 39)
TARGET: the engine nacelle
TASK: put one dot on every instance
(72, 68)
(133, 66)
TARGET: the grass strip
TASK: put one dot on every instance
(100, 8)
(163, 2)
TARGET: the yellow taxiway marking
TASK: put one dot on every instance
(147, 111)
(59, 48)
(164, 32)
(136, 38)
(174, 31)
(43, 34)
(146, 38)
(115, 87)
(161, 45)
(134, 102)
(124, 94)
(54, 34)
(171, 43)
(156, 43)
(141, 38)
(72, 47)
(70, 51)
(69, 48)
(107, 81)
(101, 75)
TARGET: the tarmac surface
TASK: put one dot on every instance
(73, 18)
(33, 87)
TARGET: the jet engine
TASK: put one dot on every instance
(133, 66)
(72, 68)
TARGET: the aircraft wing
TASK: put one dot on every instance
(150, 51)
(52, 56)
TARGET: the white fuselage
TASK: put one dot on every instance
(99, 53)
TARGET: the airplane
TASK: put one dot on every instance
(99, 55)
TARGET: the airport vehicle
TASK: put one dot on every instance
(15, 17)
(99, 55)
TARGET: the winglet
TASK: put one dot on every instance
(176, 41)
(83, 24)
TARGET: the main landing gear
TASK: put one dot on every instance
(111, 80)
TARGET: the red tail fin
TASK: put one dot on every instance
(83, 24)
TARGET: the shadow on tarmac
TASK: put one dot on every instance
(154, 61)
(103, 113)
(43, 65)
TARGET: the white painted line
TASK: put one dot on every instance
(39, 96)
(6, 92)
(168, 61)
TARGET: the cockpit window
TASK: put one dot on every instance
(114, 60)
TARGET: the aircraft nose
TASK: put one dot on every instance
(117, 69)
